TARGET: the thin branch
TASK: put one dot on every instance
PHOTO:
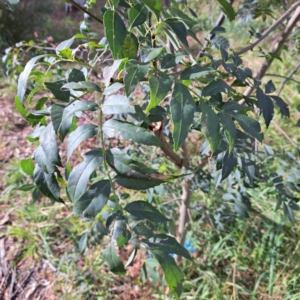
(285, 134)
(285, 34)
(84, 10)
(270, 29)
(288, 78)
(284, 77)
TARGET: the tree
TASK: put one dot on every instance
(183, 92)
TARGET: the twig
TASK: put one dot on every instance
(285, 134)
(270, 29)
(219, 22)
(265, 66)
(281, 76)
(84, 10)
(288, 78)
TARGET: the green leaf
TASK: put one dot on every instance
(93, 200)
(137, 15)
(22, 82)
(265, 105)
(228, 164)
(288, 212)
(283, 107)
(249, 168)
(210, 126)
(47, 184)
(74, 75)
(26, 187)
(155, 6)
(215, 87)
(152, 53)
(27, 166)
(168, 244)
(145, 210)
(55, 89)
(129, 132)
(64, 45)
(136, 71)
(159, 88)
(182, 108)
(123, 164)
(229, 130)
(249, 125)
(180, 31)
(120, 232)
(21, 109)
(131, 257)
(114, 262)
(6, 5)
(270, 87)
(117, 104)
(130, 47)
(79, 135)
(170, 60)
(115, 31)
(79, 177)
(82, 243)
(195, 72)
(227, 9)
(62, 116)
(82, 86)
(173, 274)
(137, 183)
(46, 155)
(182, 17)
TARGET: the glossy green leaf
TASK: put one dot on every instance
(115, 31)
(79, 177)
(137, 15)
(129, 132)
(79, 135)
(21, 109)
(159, 88)
(270, 87)
(182, 17)
(249, 168)
(46, 155)
(210, 126)
(22, 82)
(82, 243)
(265, 105)
(27, 166)
(82, 86)
(153, 53)
(215, 87)
(131, 257)
(173, 275)
(55, 89)
(196, 71)
(180, 31)
(168, 244)
(171, 60)
(283, 107)
(64, 45)
(123, 164)
(249, 125)
(93, 199)
(114, 262)
(117, 104)
(74, 75)
(182, 108)
(155, 6)
(26, 187)
(288, 212)
(120, 232)
(229, 130)
(136, 71)
(228, 164)
(145, 210)
(227, 9)
(47, 184)
(62, 116)
(137, 183)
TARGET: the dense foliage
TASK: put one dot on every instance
(185, 95)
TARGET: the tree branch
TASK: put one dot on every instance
(84, 10)
(270, 29)
(288, 78)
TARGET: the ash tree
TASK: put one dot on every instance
(152, 93)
